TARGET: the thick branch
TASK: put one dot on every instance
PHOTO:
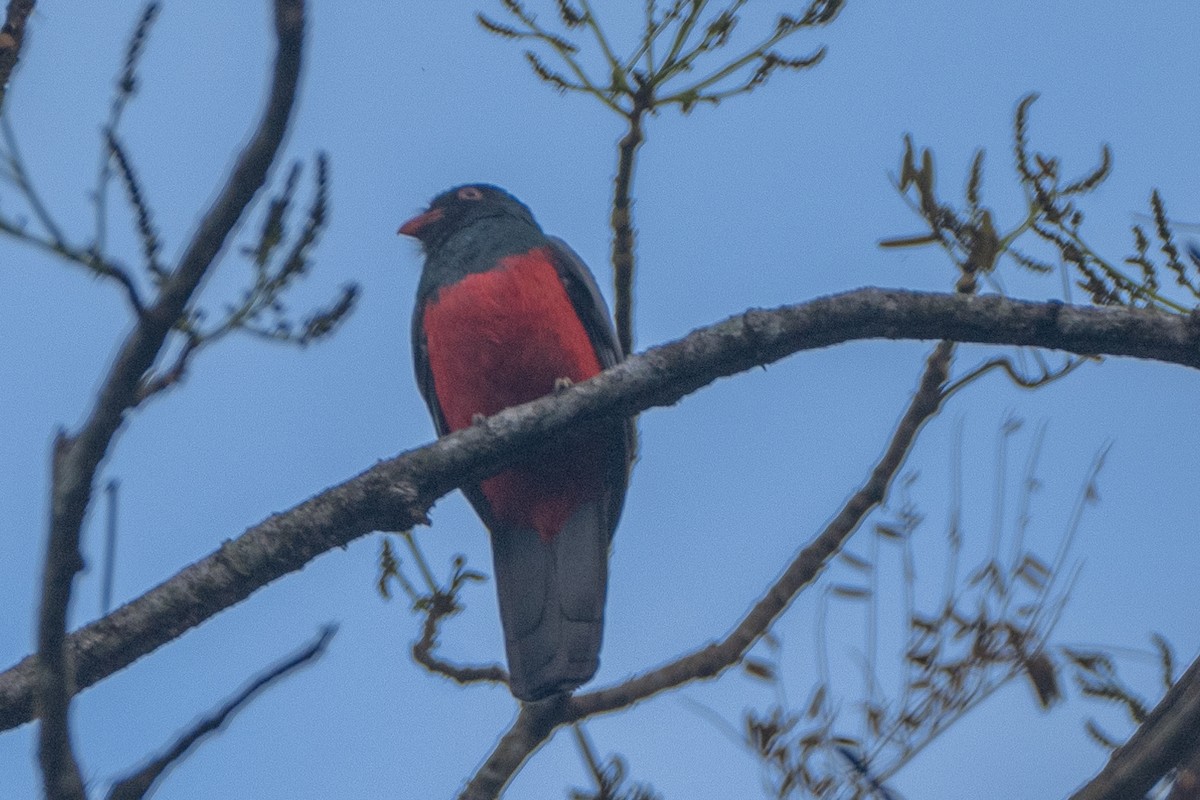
(1186, 782)
(395, 494)
(1168, 737)
(533, 725)
(61, 778)
(78, 457)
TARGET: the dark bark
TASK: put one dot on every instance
(78, 457)
(1169, 737)
(395, 494)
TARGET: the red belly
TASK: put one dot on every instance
(501, 338)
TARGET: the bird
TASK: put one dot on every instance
(505, 314)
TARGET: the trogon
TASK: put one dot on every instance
(506, 314)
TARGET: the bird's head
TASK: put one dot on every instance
(460, 207)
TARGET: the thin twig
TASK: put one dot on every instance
(593, 25)
(419, 558)
(871, 638)
(622, 222)
(151, 245)
(441, 606)
(140, 783)
(126, 85)
(106, 268)
(999, 500)
(1029, 484)
(1018, 379)
(16, 164)
(588, 752)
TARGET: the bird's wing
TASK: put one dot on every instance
(420, 349)
(593, 312)
(589, 303)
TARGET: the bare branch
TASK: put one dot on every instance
(152, 384)
(622, 221)
(61, 778)
(151, 245)
(1169, 736)
(714, 658)
(142, 347)
(533, 725)
(77, 458)
(441, 606)
(1016, 376)
(91, 260)
(437, 604)
(808, 563)
(126, 87)
(16, 166)
(12, 35)
(395, 494)
(139, 784)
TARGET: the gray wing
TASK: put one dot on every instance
(593, 312)
(424, 374)
(589, 303)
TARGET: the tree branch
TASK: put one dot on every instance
(533, 725)
(441, 606)
(12, 36)
(1169, 736)
(16, 165)
(622, 219)
(98, 265)
(61, 778)
(395, 494)
(140, 783)
(1186, 784)
(77, 458)
(713, 659)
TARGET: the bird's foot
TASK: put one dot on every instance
(562, 384)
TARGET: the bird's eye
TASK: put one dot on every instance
(469, 193)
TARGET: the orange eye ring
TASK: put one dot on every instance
(470, 193)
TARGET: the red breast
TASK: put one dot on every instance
(501, 338)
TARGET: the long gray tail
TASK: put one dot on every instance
(552, 603)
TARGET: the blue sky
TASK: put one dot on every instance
(769, 199)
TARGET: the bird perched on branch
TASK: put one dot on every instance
(504, 315)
